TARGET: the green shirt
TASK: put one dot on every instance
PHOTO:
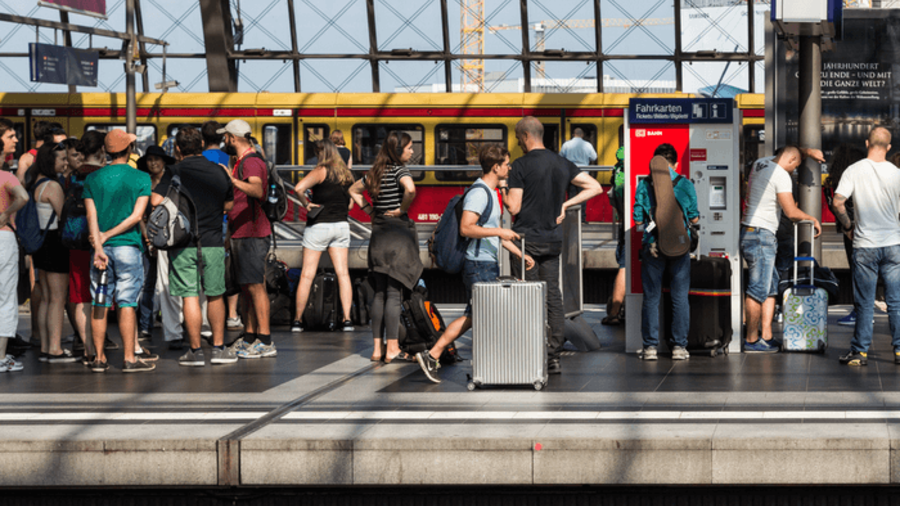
(115, 190)
(684, 194)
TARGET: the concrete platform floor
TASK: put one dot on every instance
(322, 414)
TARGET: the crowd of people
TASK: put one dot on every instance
(225, 174)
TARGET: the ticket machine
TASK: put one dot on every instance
(706, 134)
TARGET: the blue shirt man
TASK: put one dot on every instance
(654, 264)
(577, 150)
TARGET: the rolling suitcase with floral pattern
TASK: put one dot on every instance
(805, 309)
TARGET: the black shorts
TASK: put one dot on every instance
(53, 256)
(248, 256)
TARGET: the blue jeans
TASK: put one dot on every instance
(125, 279)
(868, 264)
(652, 270)
(759, 248)
(148, 294)
(476, 272)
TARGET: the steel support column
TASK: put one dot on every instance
(810, 134)
(130, 101)
(142, 48)
(217, 36)
(526, 45)
(373, 47)
(678, 56)
(448, 66)
(751, 47)
(67, 40)
(296, 62)
(598, 41)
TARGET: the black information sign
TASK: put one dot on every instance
(63, 65)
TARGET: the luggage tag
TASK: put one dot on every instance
(651, 227)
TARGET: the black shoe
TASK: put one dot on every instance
(176, 345)
(138, 366)
(145, 335)
(296, 326)
(109, 344)
(553, 366)
(429, 366)
(98, 366)
(855, 358)
(347, 326)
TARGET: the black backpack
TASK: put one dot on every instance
(323, 310)
(274, 211)
(421, 325)
(73, 224)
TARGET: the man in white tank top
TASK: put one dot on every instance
(874, 185)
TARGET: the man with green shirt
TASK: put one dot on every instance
(115, 198)
(654, 264)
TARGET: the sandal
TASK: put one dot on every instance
(400, 357)
(612, 321)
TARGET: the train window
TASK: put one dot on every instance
(367, 141)
(146, 134)
(172, 130)
(276, 143)
(551, 137)
(590, 133)
(311, 134)
(460, 144)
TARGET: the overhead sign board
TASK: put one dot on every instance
(63, 65)
(680, 110)
(96, 8)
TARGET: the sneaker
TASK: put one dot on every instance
(234, 323)
(258, 350)
(138, 366)
(176, 345)
(98, 366)
(44, 357)
(239, 345)
(849, 320)
(9, 364)
(429, 366)
(679, 353)
(146, 356)
(856, 358)
(761, 346)
(87, 360)
(348, 326)
(223, 356)
(66, 357)
(296, 326)
(192, 359)
(553, 366)
(78, 345)
(109, 344)
(647, 353)
(206, 334)
(897, 356)
(145, 335)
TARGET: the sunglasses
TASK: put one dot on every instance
(60, 146)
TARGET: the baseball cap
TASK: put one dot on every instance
(236, 127)
(117, 140)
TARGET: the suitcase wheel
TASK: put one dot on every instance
(471, 386)
(538, 385)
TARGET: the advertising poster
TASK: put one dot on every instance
(96, 8)
(860, 88)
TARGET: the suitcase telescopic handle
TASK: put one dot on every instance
(812, 247)
(523, 256)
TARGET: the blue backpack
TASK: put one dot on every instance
(446, 246)
(28, 225)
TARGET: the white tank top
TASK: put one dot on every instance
(44, 210)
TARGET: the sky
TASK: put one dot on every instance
(340, 26)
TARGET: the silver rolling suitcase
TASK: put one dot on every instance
(509, 333)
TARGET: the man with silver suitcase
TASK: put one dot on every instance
(481, 255)
(874, 185)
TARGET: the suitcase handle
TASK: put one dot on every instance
(812, 246)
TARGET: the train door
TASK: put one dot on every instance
(589, 134)
(551, 137)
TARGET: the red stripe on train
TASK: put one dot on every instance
(754, 113)
(147, 112)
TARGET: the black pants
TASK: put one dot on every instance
(386, 306)
(546, 259)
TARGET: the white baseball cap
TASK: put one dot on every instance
(236, 127)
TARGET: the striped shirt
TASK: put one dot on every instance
(391, 193)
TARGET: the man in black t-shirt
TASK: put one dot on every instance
(211, 190)
(537, 198)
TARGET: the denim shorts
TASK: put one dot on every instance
(759, 248)
(125, 279)
(322, 236)
(476, 272)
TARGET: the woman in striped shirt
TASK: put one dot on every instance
(394, 246)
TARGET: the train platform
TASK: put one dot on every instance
(322, 414)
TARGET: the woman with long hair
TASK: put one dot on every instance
(327, 227)
(844, 156)
(52, 260)
(394, 262)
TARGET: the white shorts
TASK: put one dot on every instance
(9, 282)
(322, 236)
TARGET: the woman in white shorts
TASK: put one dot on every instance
(326, 227)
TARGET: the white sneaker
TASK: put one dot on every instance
(9, 364)
(679, 353)
(234, 323)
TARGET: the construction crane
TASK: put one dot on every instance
(472, 34)
(541, 27)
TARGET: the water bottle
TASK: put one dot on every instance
(100, 295)
(273, 195)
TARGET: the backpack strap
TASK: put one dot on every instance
(37, 200)
(485, 215)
